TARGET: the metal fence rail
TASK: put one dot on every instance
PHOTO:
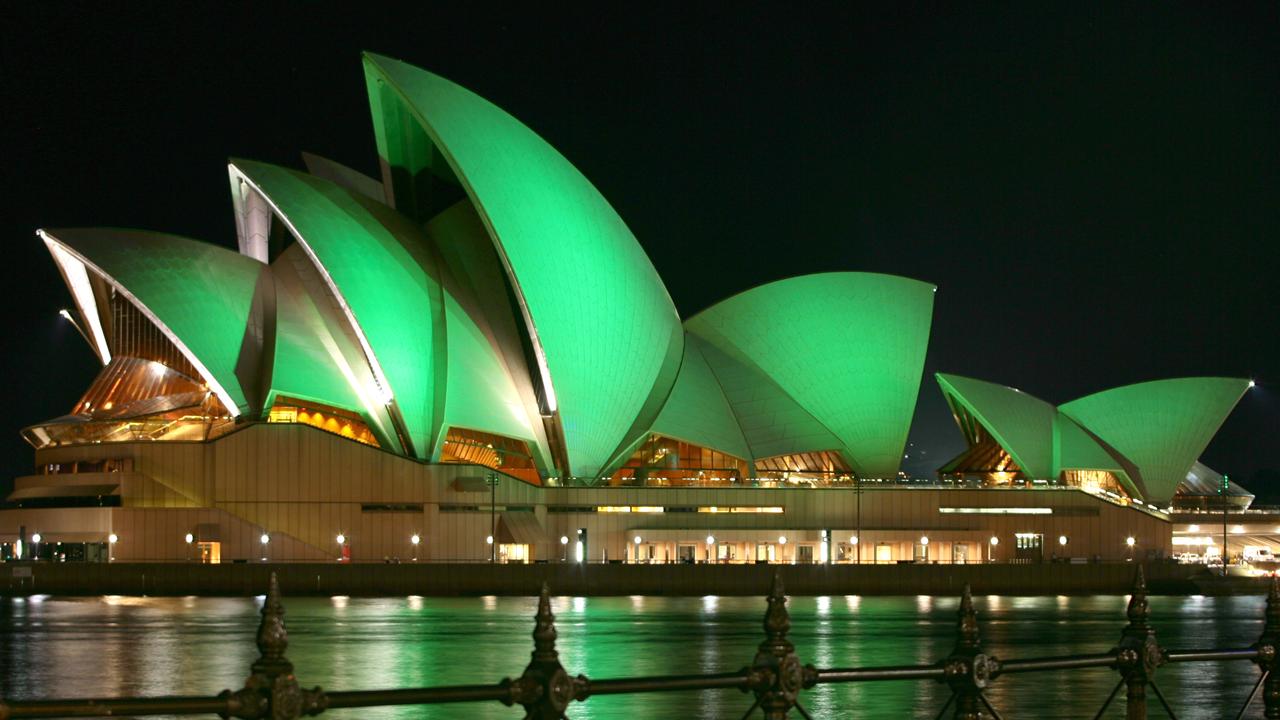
(776, 678)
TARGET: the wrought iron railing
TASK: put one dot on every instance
(776, 677)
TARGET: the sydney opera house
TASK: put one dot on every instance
(472, 357)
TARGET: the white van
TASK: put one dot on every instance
(1255, 553)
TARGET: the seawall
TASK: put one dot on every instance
(298, 579)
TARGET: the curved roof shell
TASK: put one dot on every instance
(199, 295)
(1022, 423)
(314, 354)
(848, 348)
(698, 411)
(1161, 426)
(378, 268)
(604, 331)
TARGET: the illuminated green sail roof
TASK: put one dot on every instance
(1021, 423)
(698, 411)
(846, 347)
(315, 355)
(1161, 426)
(605, 334)
(198, 294)
(381, 275)
(772, 422)
(489, 385)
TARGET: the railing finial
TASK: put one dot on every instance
(1139, 610)
(968, 670)
(271, 691)
(969, 636)
(1138, 654)
(1268, 647)
(776, 675)
(273, 639)
(545, 689)
(544, 629)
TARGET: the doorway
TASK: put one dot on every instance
(1029, 547)
(210, 552)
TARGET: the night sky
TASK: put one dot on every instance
(1095, 192)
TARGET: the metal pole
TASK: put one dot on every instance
(493, 517)
(857, 491)
(1223, 491)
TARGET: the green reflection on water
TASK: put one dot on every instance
(151, 646)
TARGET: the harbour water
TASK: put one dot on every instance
(56, 647)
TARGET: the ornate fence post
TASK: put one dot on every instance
(776, 672)
(545, 689)
(968, 669)
(1138, 654)
(1268, 645)
(272, 692)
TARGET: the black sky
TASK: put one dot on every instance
(1093, 189)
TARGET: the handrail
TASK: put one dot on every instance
(775, 676)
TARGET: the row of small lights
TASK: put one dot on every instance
(924, 540)
(564, 539)
(1236, 529)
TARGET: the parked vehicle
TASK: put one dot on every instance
(1254, 553)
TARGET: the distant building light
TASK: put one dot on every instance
(636, 540)
(1129, 541)
(189, 537)
(264, 539)
(1062, 540)
(782, 539)
(924, 539)
(995, 510)
(564, 539)
(853, 540)
(773, 509)
(1251, 383)
(994, 540)
(1193, 528)
(488, 540)
(1237, 529)
(342, 539)
(35, 537)
(414, 539)
(711, 539)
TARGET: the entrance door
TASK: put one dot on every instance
(1029, 546)
(513, 553)
(921, 553)
(210, 552)
(884, 553)
(960, 553)
(686, 553)
(726, 553)
(804, 554)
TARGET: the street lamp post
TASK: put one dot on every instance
(1222, 490)
(857, 537)
(493, 517)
